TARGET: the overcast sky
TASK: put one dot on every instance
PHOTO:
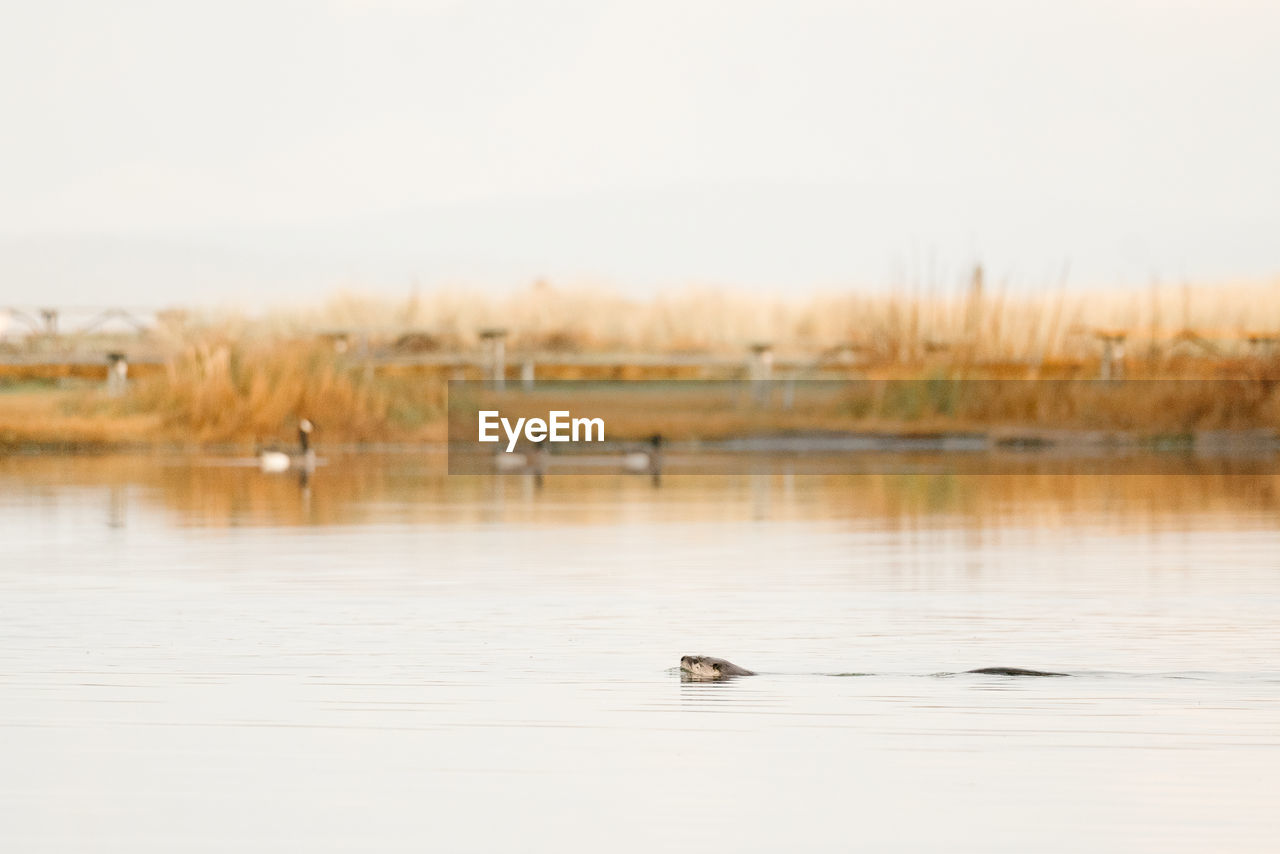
(165, 152)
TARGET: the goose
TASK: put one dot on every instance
(532, 460)
(272, 461)
(504, 461)
(647, 461)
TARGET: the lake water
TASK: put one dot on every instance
(196, 656)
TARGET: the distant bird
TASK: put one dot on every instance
(647, 461)
(533, 462)
(304, 436)
(510, 461)
(272, 461)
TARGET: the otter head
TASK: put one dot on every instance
(701, 667)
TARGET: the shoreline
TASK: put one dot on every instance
(1028, 442)
(896, 414)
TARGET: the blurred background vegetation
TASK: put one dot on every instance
(375, 370)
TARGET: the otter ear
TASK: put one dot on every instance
(716, 667)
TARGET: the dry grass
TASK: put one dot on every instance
(1013, 410)
(975, 321)
(223, 389)
(68, 418)
(234, 378)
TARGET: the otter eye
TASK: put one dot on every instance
(716, 667)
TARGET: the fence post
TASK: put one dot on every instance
(117, 373)
(760, 370)
(1112, 366)
(496, 339)
(1262, 343)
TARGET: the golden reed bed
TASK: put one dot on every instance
(230, 378)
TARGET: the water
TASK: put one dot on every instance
(200, 657)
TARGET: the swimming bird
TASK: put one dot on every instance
(273, 461)
(648, 460)
(533, 461)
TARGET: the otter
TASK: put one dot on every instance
(1014, 671)
(704, 667)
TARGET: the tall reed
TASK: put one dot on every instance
(983, 322)
(236, 377)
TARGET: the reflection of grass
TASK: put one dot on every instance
(365, 489)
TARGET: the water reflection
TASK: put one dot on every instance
(411, 487)
(382, 656)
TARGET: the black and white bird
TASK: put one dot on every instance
(272, 461)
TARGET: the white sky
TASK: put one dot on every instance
(160, 152)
